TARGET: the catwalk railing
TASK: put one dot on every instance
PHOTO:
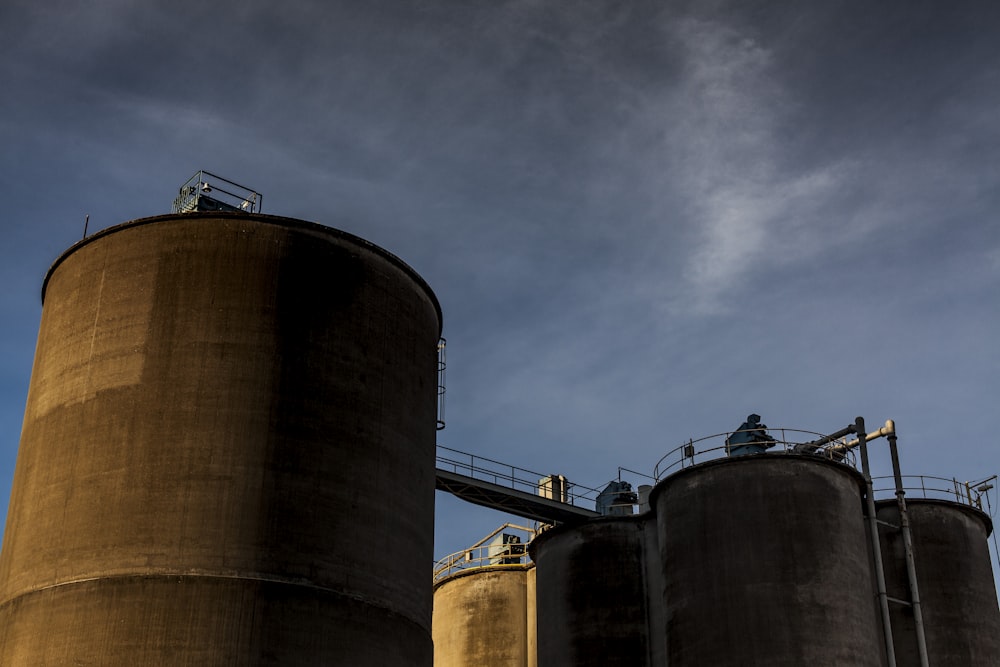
(788, 440)
(514, 477)
(938, 488)
(489, 552)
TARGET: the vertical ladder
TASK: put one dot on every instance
(441, 366)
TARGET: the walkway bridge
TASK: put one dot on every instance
(523, 493)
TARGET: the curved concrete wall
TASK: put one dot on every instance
(227, 454)
(954, 578)
(591, 594)
(482, 617)
(765, 562)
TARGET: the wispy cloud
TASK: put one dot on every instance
(751, 212)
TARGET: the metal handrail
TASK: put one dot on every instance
(485, 555)
(480, 558)
(709, 448)
(937, 488)
(244, 199)
(503, 474)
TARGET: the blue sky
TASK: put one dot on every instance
(643, 220)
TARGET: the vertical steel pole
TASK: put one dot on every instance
(911, 568)
(883, 597)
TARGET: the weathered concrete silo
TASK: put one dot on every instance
(485, 616)
(765, 561)
(227, 454)
(592, 594)
(957, 593)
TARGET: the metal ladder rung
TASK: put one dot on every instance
(905, 603)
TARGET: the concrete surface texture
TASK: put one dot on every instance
(591, 594)
(747, 561)
(227, 454)
(765, 562)
(954, 579)
(481, 617)
(755, 560)
(532, 658)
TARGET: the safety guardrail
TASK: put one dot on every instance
(787, 440)
(488, 554)
(938, 488)
(521, 479)
(206, 191)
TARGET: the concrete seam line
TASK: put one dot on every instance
(188, 575)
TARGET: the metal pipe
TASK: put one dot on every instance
(816, 444)
(911, 568)
(883, 597)
(889, 428)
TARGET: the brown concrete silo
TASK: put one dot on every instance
(591, 594)
(227, 454)
(957, 593)
(484, 616)
(765, 562)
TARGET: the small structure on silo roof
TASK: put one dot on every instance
(617, 499)
(207, 192)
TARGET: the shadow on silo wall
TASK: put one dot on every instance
(954, 580)
(591, 594)
(765, 561)
(229, 429)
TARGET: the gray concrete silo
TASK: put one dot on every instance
(954, 579)
(591, 594)
(484, 616)
(227, 454)
(765, 561)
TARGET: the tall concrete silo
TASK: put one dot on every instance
(955, 583)
(765, 562)
(227, 454)
(592, 594)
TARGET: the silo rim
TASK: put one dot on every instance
(545, 535)
(964, 507)
(259, 217)
(461, 574)
(746, 460)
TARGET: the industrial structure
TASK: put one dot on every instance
(792, 557)
(228, 441)
(228, 458)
